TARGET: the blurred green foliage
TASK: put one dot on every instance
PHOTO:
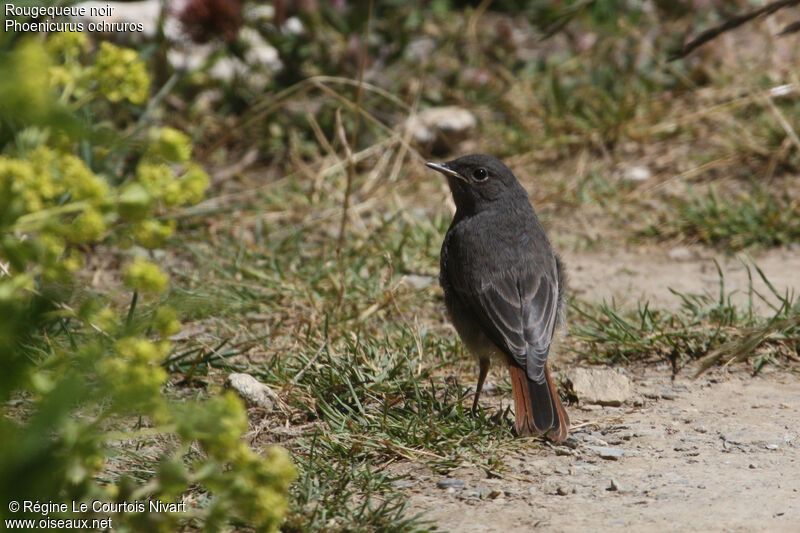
(76, 367)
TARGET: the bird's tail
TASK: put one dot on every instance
(537, 406)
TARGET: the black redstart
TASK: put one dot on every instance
(504, 286)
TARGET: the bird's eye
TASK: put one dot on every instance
(480, 174)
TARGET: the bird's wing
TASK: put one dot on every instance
(518, 312)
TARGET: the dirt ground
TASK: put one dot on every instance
(649, 272)
(719, 453)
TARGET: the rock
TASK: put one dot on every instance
(772, 446)
(470, 494)
(252, 391)
(595, 439)
(563, 450)
(439, 129)
(681, 253)
(450, 483)
(667, 394)
(481, 493)
(599, 386)
(613, 486)
(401, 484)
(637, 174)
(609, 453)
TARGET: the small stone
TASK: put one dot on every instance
(470, 494)
(637, 174)
(401, 484)
(572, 442)
(599, 386)
(484, 492)
(609, 453)
(680, 253)
(752, 466)
(613, 486)
(252, 391)
(667, 394)
(450, 483)
(441, 128)
(701, 429)
(562, 491)
(494, 494)
(593, 439)
(772, 446)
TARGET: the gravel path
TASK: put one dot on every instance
(720, 453)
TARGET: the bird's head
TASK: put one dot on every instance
(480, 182)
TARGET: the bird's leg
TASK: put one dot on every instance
(481, 378)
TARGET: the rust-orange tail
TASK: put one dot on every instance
(537, 406)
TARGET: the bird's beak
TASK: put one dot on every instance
(444, 169)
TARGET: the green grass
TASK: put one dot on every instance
(707, 327)
(366, 366)
(755, 219)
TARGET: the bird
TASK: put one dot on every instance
(504, 287)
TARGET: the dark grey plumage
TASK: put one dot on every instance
(503, 284)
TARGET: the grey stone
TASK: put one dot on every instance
(613, 486)
(252, 391)
(637, 174)
(600, 386)
(450, 483)
(607, 452)
(680, 253)
(441, 128)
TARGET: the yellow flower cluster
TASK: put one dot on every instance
(133, 374)
(35, 194)
(170, 144)
(162, 185)
(45, 178)
(50, 203)
(144, 276)
(67, 45)
(166, 321)
(260, 481)
(120, 74)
